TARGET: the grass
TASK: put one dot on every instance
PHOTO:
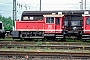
(38, 44)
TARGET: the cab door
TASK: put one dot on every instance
(86, 24)
(57, 24)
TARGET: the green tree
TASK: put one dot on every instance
(7, 22)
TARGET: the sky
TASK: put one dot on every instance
(6, 6)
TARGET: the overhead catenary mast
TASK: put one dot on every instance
(40, 5)
(14, 12)
(85, 4)
(82, 4)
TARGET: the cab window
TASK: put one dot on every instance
(49, 19)
(88, 20)
(57, 20)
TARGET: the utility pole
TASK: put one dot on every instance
(85, 4)
(40, 5)
(82, 4)
(14, 12)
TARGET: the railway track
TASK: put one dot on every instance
(8, 55)
(43, 45)
(11, 55)
(47, 46)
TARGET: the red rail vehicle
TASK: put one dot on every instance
(49, 26)
(86, 26)
(2, 31)
(53, 24)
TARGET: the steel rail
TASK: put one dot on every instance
(41, 53)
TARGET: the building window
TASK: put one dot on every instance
(57, 21)
(49, 19)
(88, 20)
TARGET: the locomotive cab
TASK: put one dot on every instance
(86, 25)
(48, 26)
(54, 25)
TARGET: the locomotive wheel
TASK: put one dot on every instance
(83, 40)
(49, 39)
(26, 39)
(3, 37)
(63, 40)
(79, 37)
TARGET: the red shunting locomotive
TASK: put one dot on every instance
(53, 25)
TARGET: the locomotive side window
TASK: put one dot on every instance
(57, 20)
(75, 23)
(49, 19)
(66, 23)
(88, 20)
(31, 18)
(25, 18)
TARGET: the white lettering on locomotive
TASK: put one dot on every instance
(49, 26)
